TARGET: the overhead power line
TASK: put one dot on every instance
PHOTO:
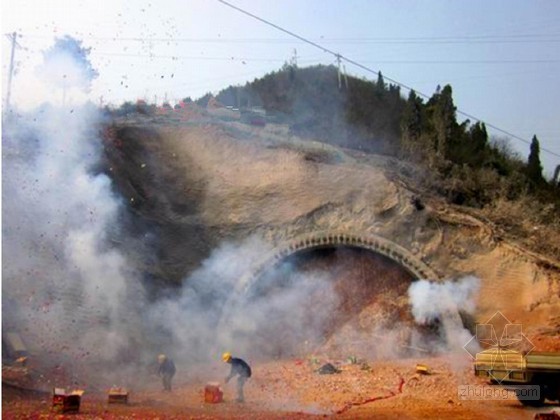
(488, 39)
(185, 57)
(369, 70)
(468, 61)
(272, 60)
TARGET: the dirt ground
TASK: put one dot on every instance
(294, 389)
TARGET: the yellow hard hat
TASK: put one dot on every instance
(226, 356)
(162, 357)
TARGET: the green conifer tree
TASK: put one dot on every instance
(534, 166)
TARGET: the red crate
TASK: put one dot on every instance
(118, 396)
(64, 402)
(213, 393)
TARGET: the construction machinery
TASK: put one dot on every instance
(512, 368)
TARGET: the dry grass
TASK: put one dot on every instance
(529, 221)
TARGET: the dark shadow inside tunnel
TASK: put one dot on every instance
(341, 300)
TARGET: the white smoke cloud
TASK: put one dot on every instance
(431, 300)
(281, 323)
(186, 323)
(297, 313)
(211, 314)
(66, 65)
(65, 289)
(443, 303)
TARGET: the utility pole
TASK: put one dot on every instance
(13, 37)
(294, 59)
(341, 74)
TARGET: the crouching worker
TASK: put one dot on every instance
(166, 371)
(238, 367)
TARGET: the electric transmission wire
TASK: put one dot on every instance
(369, 70)
(479, 39)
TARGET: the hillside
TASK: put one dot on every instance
(459, 161)
(276, 185)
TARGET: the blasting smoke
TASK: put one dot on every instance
(66, 289)
(213, 313)
(66, 65)
(442, 304)
(71, 291)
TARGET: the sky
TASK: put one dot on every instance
(502, 58)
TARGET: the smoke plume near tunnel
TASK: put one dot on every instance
(443, 304)
(338, 302)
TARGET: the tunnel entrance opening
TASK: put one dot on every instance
(337, 300)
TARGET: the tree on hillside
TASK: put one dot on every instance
(203, 101)
(442, 112)
(556, 177)
(380, 85)
(470, 146)
(413, 126)
(276, 91)
(479, 137)
(534, 166)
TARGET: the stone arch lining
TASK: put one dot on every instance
(316, 240)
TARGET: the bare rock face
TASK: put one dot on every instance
(205, 184)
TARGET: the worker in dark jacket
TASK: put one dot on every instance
(166, 370)
(238, 367)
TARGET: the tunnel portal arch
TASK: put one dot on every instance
(227, 326)
(317, 240)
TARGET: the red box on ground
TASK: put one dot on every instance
(213, 393)
(118, 396)
(64, 402)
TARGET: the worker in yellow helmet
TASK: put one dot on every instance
(238, 367)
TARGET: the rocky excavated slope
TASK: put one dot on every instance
(200, 182)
